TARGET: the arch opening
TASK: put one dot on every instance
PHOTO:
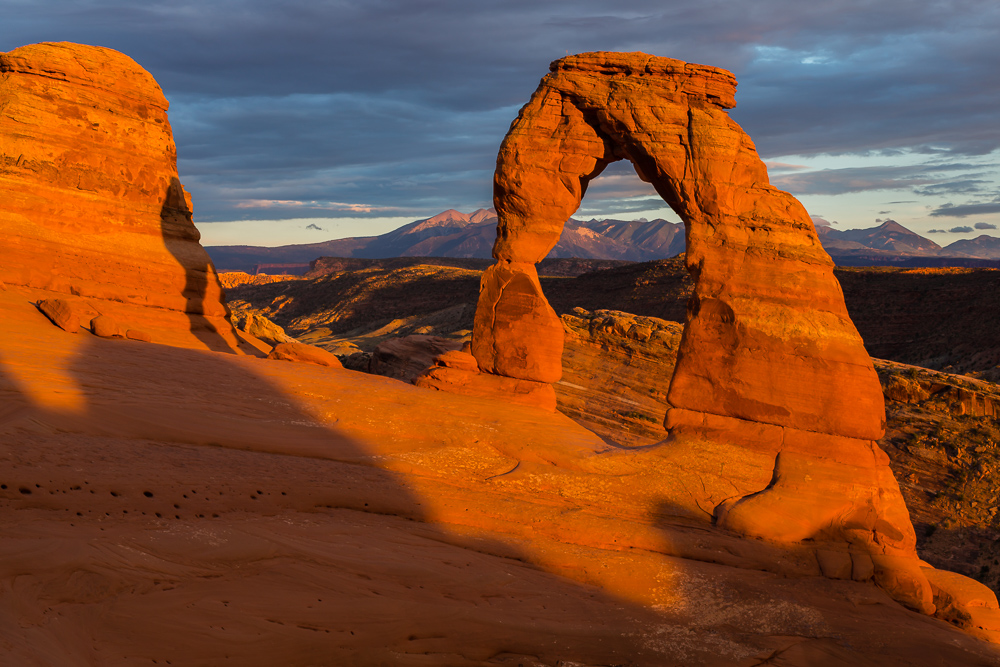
(771, 376)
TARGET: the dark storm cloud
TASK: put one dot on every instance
(400, 105)
(984, 225)
(960, 230)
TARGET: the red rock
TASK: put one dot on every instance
(458, 359)
(406, 357)
(258, 326)
(771, 373)
(106, 327)
(485, 385)
(445, 364)
(616, 371)
(135, 334)
(516, 332)
(309, 354)
(62, 313)
(92, 203)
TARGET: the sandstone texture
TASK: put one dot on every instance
(106, 326)
(62, 313)
(254, 323)
(771, 376)
(93, 208)
(138, 334)
(407, 357)
(264, 512)
(457, 371)
(309, 354)
(616, 372)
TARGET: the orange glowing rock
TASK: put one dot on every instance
(309, 354)
(457, 371)
(92, 204)
(62, 313)
(771, 373)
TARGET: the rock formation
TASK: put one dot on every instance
(309, 354)
(772, 377)
(92, 204)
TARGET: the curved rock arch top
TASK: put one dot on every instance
(768, 337)
(772, 380)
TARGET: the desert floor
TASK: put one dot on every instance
(164, 504)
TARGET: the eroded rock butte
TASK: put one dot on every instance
(772, 379)
(93, 207)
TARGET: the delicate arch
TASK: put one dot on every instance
(768, 337)
(772, 382)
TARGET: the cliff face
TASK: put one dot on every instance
(92, 203)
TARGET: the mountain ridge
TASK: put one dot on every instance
(452, 233)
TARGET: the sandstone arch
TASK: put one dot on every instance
(771, 368)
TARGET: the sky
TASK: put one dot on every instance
(308, 120)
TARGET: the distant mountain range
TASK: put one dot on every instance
(461, 235)
(893, 244)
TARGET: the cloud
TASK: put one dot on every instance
(619, 181)
(860, 179)
(927, 179)
(984, 225)
(314, 226)
(958, 186)
(611, 207)
(819, 221)
(403, 104)
(960, 230)
(936, 231)
(309, 208)
(783, 166)
(965, 210)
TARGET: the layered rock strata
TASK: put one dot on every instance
(92, 203)
(772, 379)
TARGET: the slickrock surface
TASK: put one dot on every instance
(252, 322)
(943, 454)
(405, 358)
(92, 205)
(183, 505)
(771, 378)
(309, 354)
(231, 279)
(616, 372)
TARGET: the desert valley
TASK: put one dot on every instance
(509, 437)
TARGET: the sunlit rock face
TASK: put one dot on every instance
(770, 367)
(92, 204)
